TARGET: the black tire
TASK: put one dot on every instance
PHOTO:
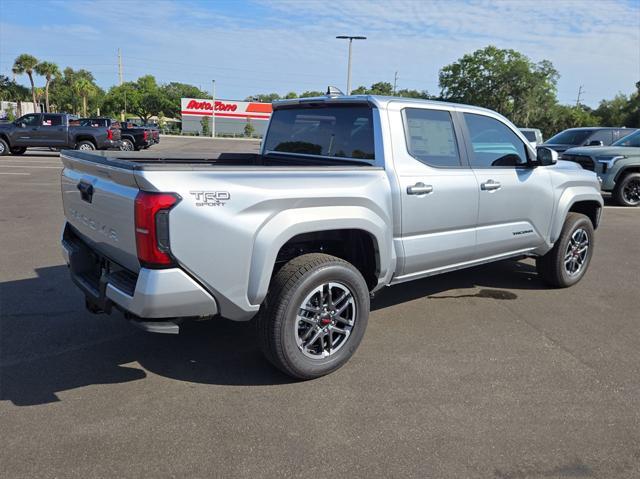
(127, 145)
(279, 325)
(4, 147)
(85, 145)
(627, 190)
(551, 267)
(18, 150)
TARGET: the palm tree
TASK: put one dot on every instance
(85, 89)
(26, 63)
(47, 70)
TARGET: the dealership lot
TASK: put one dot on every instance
(478, 373)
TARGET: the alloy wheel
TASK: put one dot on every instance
(576, 253)
(325, 320)
(631, 192)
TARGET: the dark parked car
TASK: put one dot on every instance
(133, 137)
(55, 130)
(591, 136)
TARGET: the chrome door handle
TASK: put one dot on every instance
(419, 189)
(490, 185)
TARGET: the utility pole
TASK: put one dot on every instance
(395, 82)
(119, 67)
(120, 83)
(580, 92)
(213, 109)
(351, 39)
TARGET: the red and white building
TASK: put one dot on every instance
(231, 116)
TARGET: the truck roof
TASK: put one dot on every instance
(377, 100)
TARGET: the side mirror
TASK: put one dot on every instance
(546, 156)
(595, 143)
(21, 125)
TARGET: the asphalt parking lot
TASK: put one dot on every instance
(480, 373)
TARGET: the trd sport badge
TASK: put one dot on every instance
(211, 198)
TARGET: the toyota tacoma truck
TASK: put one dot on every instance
(56, 131)
(348, 194)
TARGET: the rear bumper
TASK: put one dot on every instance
(152, 293)
(111, 145)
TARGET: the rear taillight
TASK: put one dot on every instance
(152, 228)
(109, 134)
(146, 135)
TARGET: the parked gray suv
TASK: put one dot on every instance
(617, 167)
(349, 194)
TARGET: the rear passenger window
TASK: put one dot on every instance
(51, 120)
(494, 143)
(431, 138)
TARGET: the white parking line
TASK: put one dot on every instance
(28, 174)
(630, 208)
(27, 166)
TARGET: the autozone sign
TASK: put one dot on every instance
(226, 108)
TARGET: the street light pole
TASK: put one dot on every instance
(213, 110)
(351, 39)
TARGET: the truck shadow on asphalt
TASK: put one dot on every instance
(49, 344)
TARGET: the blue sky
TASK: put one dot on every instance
(261, 46)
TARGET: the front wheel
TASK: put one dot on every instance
(627, 192)
(567, 262)
(314, 316)
(4, 148)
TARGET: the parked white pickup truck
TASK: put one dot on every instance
(349, 194)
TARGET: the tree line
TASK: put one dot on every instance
(500, 79)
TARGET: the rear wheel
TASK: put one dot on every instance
(314, 316)
(85, 146)
(569, 259)
(4, 148)
(627, 191)
(18, 150)
(127, 145)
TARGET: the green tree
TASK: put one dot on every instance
(26, 63)
(84, 88)
(12, 91)
(264, 97)
(502, 80)
(174, 91)
(143, 98)
(63, 95)
(206, 129)
(48, 70)
(249, 130)
(423, 94)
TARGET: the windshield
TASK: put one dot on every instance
(570, 137)
(529, 135)
(630, 140)
(337, 131)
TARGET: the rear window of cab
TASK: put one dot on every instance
(333, 131)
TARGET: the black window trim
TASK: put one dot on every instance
(469, 145)
(463, 160)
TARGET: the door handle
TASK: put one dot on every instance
(490, 185)
(419, 189)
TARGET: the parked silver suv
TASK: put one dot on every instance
(348, 195)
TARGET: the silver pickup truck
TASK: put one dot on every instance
(348, 194)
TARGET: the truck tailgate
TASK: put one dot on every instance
(99, 203)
